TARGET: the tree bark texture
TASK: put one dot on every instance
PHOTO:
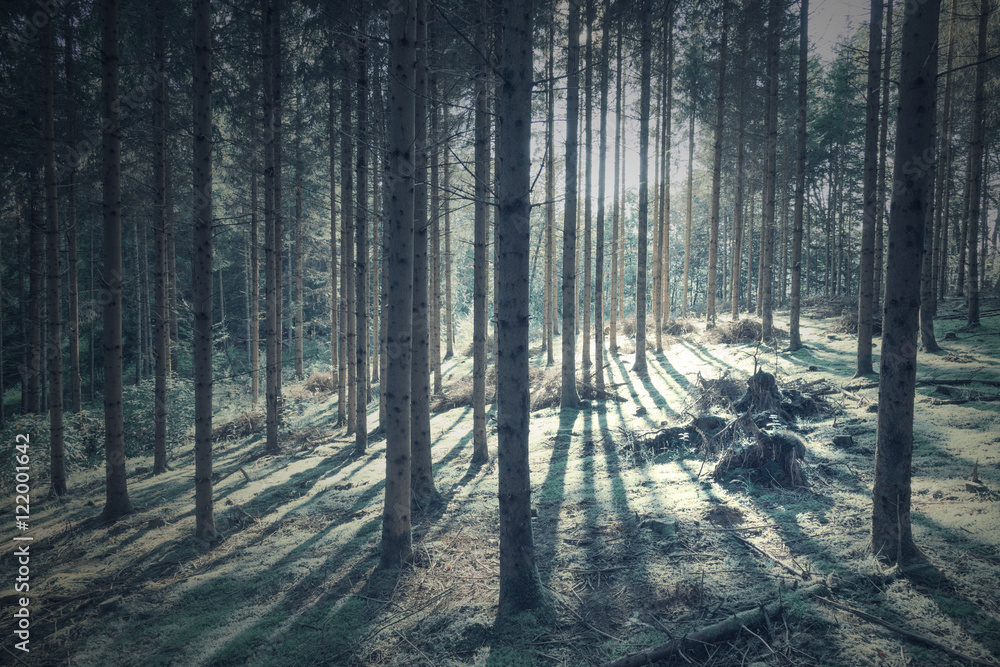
(913, 173)
(53, 343)
(117, 501)
(520, 585)
(569, 398)
(396, 540)
(866, 279)
(480, 451)
(201, 268)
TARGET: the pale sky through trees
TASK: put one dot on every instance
(830, 22)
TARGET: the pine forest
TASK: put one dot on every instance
(500, 332)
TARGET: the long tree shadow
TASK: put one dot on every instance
(703, 354)
(969, 614)
(552, 492)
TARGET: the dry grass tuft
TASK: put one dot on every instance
(680, 327)
(718, 392)
(243, 425)
(321, 382)
(847, 323)
(740, 332)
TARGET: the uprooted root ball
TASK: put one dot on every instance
(772, 459)
(715, 393)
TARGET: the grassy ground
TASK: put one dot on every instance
(635, 545)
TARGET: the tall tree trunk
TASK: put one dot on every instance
(54, 334)
(480, 452)
(667, 160)
(272, 245)
(377, 149)
(387, 204)
(336, 323)
(749, 236)
(720, 111)
(883, 144)
(172, 335)
(201, 268)
(569, 398)
(942, 188)
(643, 224)
(690, 204)
(794, 336)
(808, 241)
(138, 298)
(377, 216)
(297, 252)
(976, 180)
(361, 251)
(116, 501)
(449, 310)
(927, 338)
(770, 170)
(657, 296)
(396, 540)
(3, 386)
(161, 319)
(550, 196)
(617, 206)
(348, 322)
(73, 325)
(892, 537)
(601, 165)
(435, 225)
(962, 234)
(782, 280)
(588, 115)
(422, 489)
(520, 585)
(254, 298)
(278, 211)
(737, 261)
(92, 335)
(866, 279)
(36, 272)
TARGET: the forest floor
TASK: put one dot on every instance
(636, 543)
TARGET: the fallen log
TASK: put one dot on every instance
(751, 618)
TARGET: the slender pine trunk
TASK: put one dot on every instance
(713, 239)
(116, 488)
(53, 343)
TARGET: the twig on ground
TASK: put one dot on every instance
(729, 528)
(580, 618)
(798, 573)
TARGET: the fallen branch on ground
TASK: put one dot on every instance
(712, 634)
(962, 381)
(737, 528)
(798, 573)
(906, 633)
